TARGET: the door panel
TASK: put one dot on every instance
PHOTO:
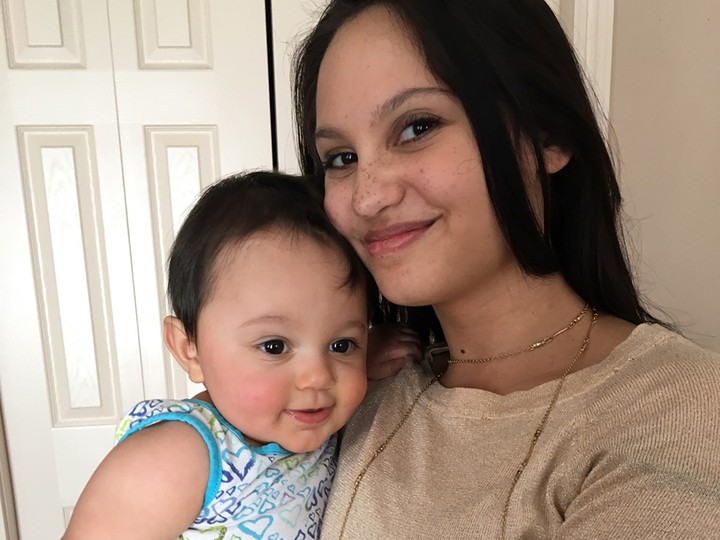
(68, 299)
(226, 95)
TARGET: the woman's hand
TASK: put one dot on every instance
(390, 346)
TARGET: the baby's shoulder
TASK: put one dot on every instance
(200, 415)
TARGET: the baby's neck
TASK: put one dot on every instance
(204, 396)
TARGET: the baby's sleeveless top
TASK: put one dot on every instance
(260, 493)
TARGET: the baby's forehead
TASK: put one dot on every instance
(285, 271)
(282, 245)
(286, 238)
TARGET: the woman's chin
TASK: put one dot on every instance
(405, 295)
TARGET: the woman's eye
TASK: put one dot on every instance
(340, 161)
(417, 128)
(342, 346)
(274, 346)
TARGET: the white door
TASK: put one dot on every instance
(112, 116)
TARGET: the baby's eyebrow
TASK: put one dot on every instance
(265, 319)
(360, 325)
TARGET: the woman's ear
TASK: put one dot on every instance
(182, 348)
(555, 158)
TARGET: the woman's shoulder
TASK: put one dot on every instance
(656, 385)
(648, 431)
(648, 355)
(664, 355)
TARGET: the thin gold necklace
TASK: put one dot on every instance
(518, 473)
(529, 348)
(543, 423)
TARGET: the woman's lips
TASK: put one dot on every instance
(392, 239)
(310, 416)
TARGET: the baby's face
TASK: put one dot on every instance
(281, 343)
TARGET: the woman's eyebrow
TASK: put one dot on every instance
(327, 133)
(387, 107)
(391, 104)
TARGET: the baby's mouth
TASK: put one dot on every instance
(309, 416)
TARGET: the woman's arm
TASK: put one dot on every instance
(150, 486)
(654, 441)
(645, 501)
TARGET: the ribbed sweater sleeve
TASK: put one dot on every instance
(654, 436)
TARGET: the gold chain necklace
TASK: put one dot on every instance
(528, 455)
(543, 422)
(379, 450)
(529, 348)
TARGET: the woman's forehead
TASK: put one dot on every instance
(370, 59)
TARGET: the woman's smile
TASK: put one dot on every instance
(388, 240)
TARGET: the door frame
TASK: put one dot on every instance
(8, 521)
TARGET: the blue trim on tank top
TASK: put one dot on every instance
(215, 474)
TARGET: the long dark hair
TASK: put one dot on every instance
(513, 69)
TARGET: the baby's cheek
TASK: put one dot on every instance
(262, 395)
(355, 387)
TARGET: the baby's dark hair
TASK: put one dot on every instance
(228, 213)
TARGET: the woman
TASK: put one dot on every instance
(463, 162)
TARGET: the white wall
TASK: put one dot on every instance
(665, 108)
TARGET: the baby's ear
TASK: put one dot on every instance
(182, 348)
(556, 157)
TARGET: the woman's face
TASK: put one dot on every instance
(404, 179)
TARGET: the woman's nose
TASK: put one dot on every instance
(377, 187)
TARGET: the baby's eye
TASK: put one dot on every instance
(340, 160)
(274, 346)
(342, 346)
(417, 128)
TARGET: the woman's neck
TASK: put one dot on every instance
(508, 317)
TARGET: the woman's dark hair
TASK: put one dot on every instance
(513, 69)
(228, 213)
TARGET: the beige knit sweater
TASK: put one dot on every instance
(631, 451)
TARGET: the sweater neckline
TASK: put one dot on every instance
(474, 403)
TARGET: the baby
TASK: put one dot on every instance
(270, 315)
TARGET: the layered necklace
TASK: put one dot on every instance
(537, 433)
